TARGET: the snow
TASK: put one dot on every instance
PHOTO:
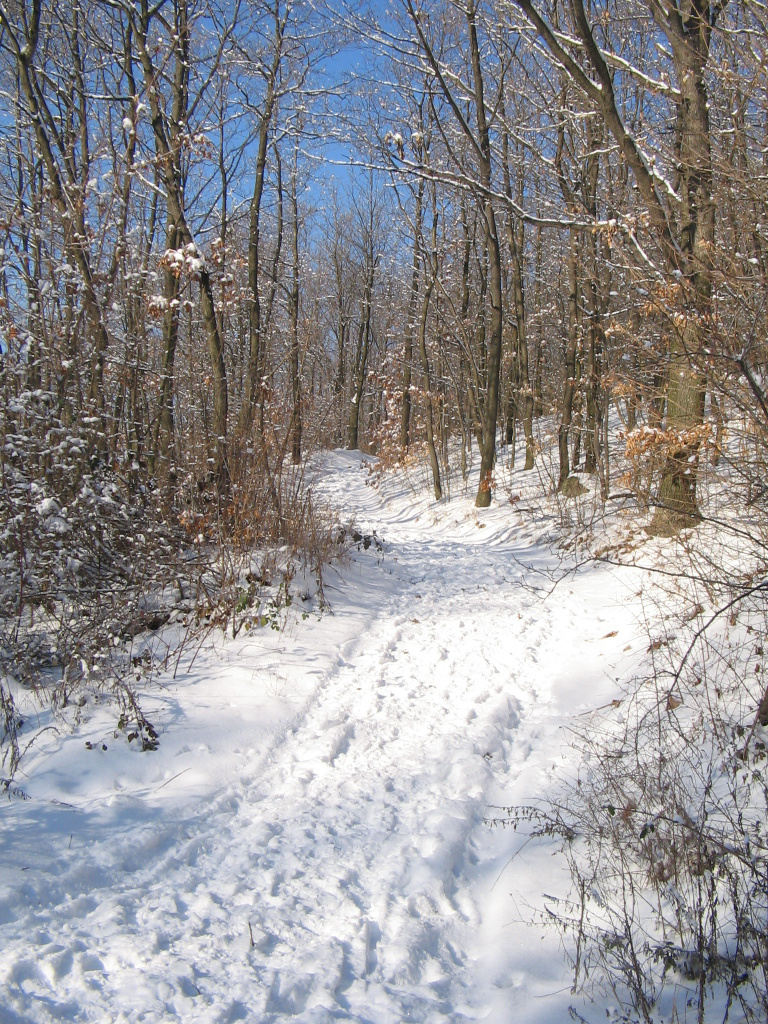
(308, 842)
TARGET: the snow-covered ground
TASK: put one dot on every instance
(308, 841)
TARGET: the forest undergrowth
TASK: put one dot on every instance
(105, 582)
(660, 811)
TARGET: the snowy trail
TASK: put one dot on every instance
(343, 871)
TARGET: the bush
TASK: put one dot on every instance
(92, 557)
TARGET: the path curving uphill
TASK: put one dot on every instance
(342, 870)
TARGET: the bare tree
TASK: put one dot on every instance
(682, 218)
(368, 243)
(169, 133)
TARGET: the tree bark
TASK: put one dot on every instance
(254, 387)
(521, 384)
(491, 399)
(64, 187)
(405, 412)
(361, 361)
(429, 286)
(569, 386)
(687, 253)
(168, 157)
(293, 305)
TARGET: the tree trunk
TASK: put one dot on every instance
(595, 333)
(164, 429)
(687, 385)
(293, 304)
(361, 358)
(688, 256)
(61, 190)
(493, 365)
(428, 407)
(405, 413)
(522, 382)
(254, 385)
(569, 386)
(168, 152)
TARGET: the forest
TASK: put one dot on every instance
(236, 234)
(233, 233)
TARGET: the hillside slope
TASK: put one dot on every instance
(308, 842)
